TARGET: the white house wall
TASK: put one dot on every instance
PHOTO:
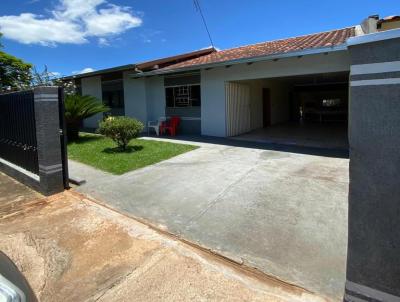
(135, 98)
(144, 98)
(213, 83)
(155, 95)
(212, 104)
(92, 86)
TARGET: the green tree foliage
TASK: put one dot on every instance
(15, 74)
(68, 85)
(120, 129)
(77, 108)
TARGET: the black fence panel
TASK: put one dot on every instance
(63, 136)
(18, 143)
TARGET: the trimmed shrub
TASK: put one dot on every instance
(120, 129)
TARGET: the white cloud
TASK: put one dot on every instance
(71, 21)
(112, 20)
(75, 9)
(29, 29)
(103, 42)
(84, 70)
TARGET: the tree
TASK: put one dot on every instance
(44, 78)
(15, 74)
(77, 108)
(68, 85)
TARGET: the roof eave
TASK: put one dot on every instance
(99, 72)
(199, 52)
(304, 52)
(374, 37)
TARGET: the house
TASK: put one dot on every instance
(292, 90)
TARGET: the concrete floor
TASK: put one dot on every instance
(72, 249)
(283, 213)
(320, 135)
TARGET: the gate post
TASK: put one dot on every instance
(373, 263)
(48, 139)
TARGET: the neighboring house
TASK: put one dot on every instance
(234, 91)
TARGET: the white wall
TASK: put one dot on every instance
(135, 98)
(155, 94)
(144, 98)
(92, 86)
(213, 83)
(212, 104)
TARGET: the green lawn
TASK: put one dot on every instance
(101, 153)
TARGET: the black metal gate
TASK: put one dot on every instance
(63, 136)
(18, 143)
(25, 134)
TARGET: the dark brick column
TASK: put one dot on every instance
(48, 139)
(373, 264)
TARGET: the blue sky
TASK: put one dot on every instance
(71, 35)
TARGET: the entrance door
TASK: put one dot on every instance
(266, 107)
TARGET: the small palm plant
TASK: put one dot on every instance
(78, 108)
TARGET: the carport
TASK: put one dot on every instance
(309, 110)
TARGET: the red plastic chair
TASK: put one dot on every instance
(171, 125)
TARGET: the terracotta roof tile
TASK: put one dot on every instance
(318, 40)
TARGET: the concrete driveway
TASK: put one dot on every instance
(72, 249)
(281, 212)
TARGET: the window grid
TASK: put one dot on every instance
(182, 96)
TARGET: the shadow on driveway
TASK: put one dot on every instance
(326, 152)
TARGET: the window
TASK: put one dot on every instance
(113, 99)
(183, 96)
(113, 96)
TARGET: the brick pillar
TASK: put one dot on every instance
(373, 264)
(48, 140)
